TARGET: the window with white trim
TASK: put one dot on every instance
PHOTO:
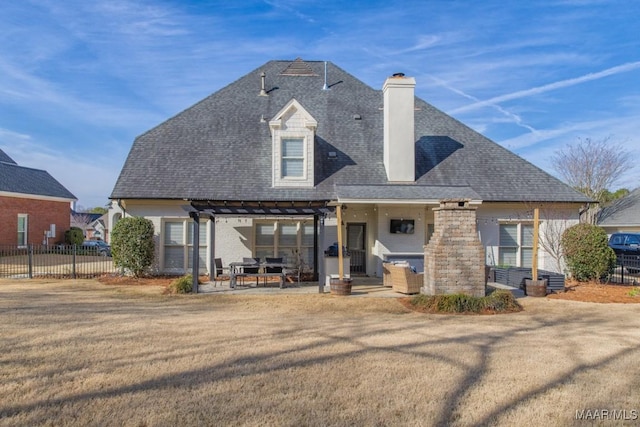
(178, 245)
(292, 158)
(516, 245)
(526, 245)
(285, 239)
(23, 227)
(202, 245)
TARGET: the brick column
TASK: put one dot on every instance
(454, 257)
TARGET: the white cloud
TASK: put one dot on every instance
(9, 135)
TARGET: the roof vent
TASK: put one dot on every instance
(325, 87)
(332, 155)
(298, 68)
(357, 117)
(397, 75)
(263, 92)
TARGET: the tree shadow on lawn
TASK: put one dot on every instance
(353, 336)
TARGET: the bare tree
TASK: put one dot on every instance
(80, 220)
(592, 166)
(550, 240)
(553, 222)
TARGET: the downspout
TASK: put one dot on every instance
(124, 212)
(195, 270)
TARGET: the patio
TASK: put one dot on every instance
(361, 287)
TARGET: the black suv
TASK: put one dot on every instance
(97, 246)
(627, 244)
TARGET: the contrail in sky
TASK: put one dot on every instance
(551, 86)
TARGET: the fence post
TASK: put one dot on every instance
(73, 262)
(30, 253)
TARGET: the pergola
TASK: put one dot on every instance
(210, 209)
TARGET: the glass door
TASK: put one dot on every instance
(356, 245)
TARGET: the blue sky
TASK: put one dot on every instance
(79, 80)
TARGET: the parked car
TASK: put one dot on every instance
(99, 246)
(627, 244)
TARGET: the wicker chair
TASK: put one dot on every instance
(386, 274)
(404, 280)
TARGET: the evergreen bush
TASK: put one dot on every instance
(74, 236)
(587, 252)
(182, 285)
(132, 245)
(499, 301)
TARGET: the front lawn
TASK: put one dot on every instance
(78, 352)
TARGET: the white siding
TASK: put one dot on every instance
(234, 237)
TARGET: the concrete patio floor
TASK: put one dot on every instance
(361, 287)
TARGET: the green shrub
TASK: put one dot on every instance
(500, 301)
(182, 285)
(587, 252)
(132, 245)
(74, 236)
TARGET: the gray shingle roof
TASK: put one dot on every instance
(622, 212)
(22, 180)
(219, 149)
(396, 192)
(5, 158)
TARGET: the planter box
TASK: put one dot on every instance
(555, 281)
(515, 276)
(500, 275)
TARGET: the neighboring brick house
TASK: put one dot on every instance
(34, 207)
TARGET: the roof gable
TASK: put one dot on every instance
(5, 158)
(21, 180)
(293, 112)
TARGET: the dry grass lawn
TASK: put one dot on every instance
(85, 353)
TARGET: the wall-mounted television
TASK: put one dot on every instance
(401, 226)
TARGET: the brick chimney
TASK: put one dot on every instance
(399, 129)
(454, 257)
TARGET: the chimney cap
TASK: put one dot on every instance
(397, 75)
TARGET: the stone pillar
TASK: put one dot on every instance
(454, 257)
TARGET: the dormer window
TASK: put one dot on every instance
(293, 158)
(293, 134)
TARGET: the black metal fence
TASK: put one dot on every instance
(627, 270)
(60, 261)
